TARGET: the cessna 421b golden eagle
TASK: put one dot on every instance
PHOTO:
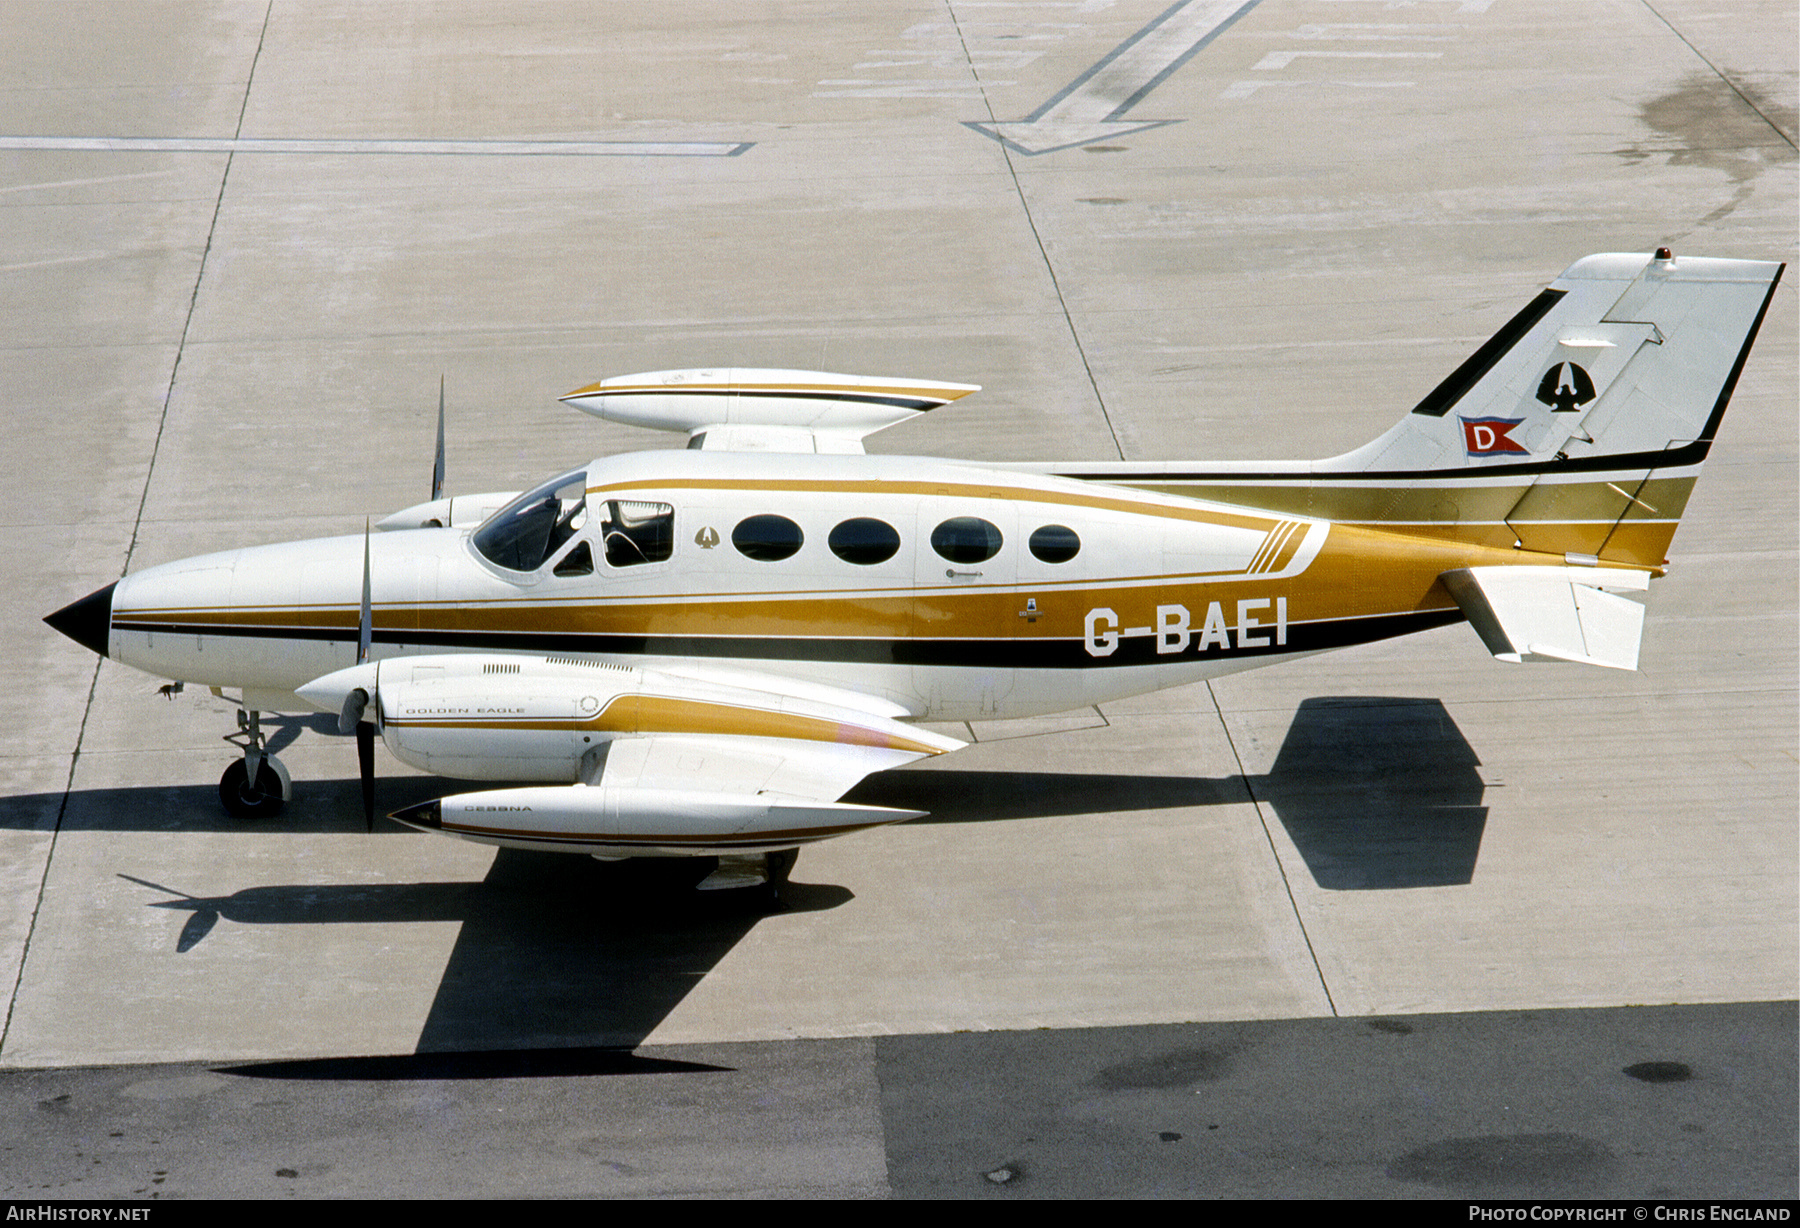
(700, 651)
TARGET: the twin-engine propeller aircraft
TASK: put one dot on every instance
(700, 651)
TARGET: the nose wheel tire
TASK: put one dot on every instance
(243, 800)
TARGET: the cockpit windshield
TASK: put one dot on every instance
(526, 532)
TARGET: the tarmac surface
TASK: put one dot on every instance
(1396, 921)
(1645, 1103)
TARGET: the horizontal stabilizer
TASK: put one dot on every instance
(1553, 613)
(748, 409)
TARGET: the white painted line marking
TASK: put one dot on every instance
(273, 145)
(1462, 6)
(1387, 32)
(1281, 59)
(82, 183)
(1243, 89)
(960, 89)
(1087, 109)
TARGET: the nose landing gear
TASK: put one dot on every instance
(258, 785)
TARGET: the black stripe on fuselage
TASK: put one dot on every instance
(914, 651)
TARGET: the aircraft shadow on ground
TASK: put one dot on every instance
(1378, 794)
(559, 952)
(554, 952)
(1375, 793)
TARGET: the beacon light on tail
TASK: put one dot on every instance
(702, 650)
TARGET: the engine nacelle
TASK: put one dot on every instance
(485, 717)
(533, 718)
(496, 719)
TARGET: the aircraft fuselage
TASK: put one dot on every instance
(955, 591)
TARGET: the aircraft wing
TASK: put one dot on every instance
(654, 762)
(775, 767)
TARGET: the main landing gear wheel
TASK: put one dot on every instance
(759, 876)
(262, 800)
(777, 865)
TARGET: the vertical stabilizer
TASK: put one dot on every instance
(1626, 361)
(1576, 430)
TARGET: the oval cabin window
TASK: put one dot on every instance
(767, 539)
(966, 539)
(1055, 543)
(864, 541)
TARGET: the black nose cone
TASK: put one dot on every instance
(89, 621)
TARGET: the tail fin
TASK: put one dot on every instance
(1627, 357)
(1590, 413)
(1578, 429)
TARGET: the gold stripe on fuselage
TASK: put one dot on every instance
(1278, 548)
(1640, 544)
(1626, 519)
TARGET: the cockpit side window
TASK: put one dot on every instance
(527, 531)
(634, 532)
(577, 562)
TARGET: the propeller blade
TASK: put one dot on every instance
(365, 762)
(437, 468)
(365, 626)
(359, 698)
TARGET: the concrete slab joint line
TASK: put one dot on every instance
(1269, 836)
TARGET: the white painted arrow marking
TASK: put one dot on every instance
(1090, 107)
